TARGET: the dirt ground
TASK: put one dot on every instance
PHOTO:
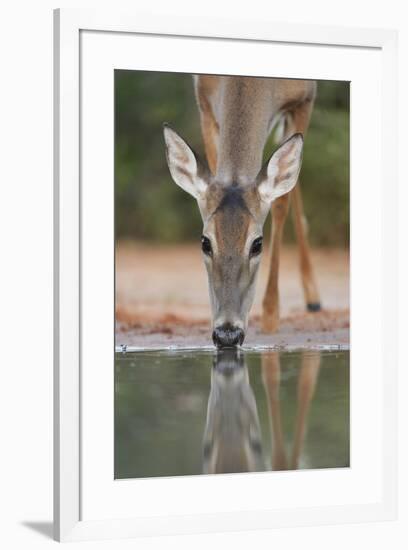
(162, 299)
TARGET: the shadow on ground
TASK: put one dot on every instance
(45, 528)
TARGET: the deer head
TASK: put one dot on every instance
(233, 216)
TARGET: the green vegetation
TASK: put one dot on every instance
(148, 205)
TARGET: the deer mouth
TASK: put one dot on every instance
(228, 336)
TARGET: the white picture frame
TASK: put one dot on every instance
(72, 312)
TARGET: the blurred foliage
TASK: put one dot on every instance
(148, 205)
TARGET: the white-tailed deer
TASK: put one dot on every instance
(235, 192)
(232, 439)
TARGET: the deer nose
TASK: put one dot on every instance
(228, 336)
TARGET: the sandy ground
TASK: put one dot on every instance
(162, 299)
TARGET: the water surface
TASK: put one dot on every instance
(187, 413)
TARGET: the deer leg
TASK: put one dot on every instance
(205, 86)
(271, 375)
(310, 291)
(308, 375)
(296, 121)
(299, 123)
(209, 130)
(270, 317)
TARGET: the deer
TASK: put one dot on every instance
(232, 441)
(235, 191)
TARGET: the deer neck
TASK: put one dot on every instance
(244, 124)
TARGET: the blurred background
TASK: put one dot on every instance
(161, 285)
(149, 206)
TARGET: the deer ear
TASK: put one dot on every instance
(185, 167)
(279, 175)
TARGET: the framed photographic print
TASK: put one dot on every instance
(225, 297)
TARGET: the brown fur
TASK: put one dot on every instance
(232, 437)
(306, 384)
(237, 116)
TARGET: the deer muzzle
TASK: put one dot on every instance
(228, 336)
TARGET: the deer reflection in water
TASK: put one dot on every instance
(232, 437)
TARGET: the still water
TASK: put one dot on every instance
(186, 413)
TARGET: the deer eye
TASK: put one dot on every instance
(206, 246)
(256, 247)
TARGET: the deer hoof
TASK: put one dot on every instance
(313, 306)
